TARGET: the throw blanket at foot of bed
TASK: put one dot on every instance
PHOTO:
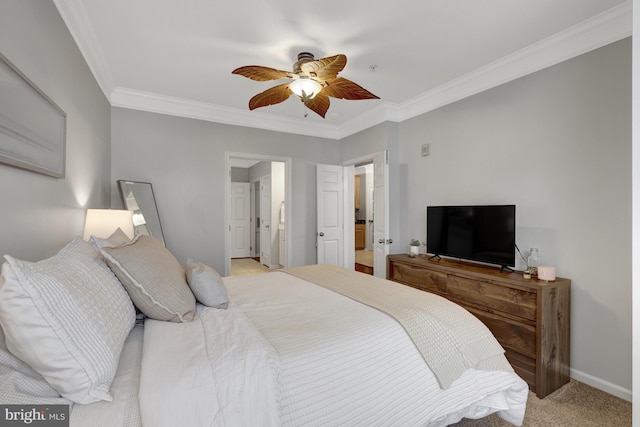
(449, 338)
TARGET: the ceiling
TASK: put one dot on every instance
(176, 57)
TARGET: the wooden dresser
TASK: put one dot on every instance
(529, 317)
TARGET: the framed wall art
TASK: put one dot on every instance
(32, 127)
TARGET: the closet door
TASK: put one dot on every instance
(330, 231)
(240, 226)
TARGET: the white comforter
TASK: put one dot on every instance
(212, 371)
(288, 352)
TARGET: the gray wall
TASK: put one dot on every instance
(184, 159)
(636, 209)
(40, 214)
(557, 144)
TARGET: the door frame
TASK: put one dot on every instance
(349, 208)
(229, 156)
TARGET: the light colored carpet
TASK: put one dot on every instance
(244, 266)
(574, 405)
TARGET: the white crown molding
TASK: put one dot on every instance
(385, 112)
(145, 101)
(605, 28)
(75, 18)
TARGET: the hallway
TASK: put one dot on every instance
(245, 266)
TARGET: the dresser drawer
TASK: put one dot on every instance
(430, 281)
(510, 300)
(524, 366)
(512, 335)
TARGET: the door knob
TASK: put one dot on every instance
(381, 241)
(321, 234)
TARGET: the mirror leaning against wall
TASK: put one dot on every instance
(139, 198)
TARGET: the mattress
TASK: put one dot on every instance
(288, 352)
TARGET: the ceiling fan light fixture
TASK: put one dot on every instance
(305, 88)
(310, 77)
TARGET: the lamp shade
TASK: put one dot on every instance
(103, 222)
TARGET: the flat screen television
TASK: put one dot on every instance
(477, 233)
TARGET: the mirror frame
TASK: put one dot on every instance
(121, 186)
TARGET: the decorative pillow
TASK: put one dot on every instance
(116, 239)
(206, 284)
(154, 279)
(67, 317)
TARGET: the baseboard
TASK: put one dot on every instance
(601, 384)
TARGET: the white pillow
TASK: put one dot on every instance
(117, 238)
(154, 279)
(206, 284)
(19, 384)
(67, 317)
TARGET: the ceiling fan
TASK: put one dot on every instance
(314, 81)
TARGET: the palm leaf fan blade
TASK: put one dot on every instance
(325, 68)
(346, 89)
(261, 74)
(274, 95)
(318, 104)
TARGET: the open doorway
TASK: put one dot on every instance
(258, 214)
(364, 219)
(376, 221)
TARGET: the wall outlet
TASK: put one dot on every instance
(426, 149)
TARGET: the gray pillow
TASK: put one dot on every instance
(206, 284)
(153, 277)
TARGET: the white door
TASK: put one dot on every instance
(380, 215)
(369, 227)
(252, 218)
(265, 221)
(330, 232)
(240, 220)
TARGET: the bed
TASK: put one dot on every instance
(125, 335)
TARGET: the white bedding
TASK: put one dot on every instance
(123, 410)
(288, 352)
(20, 384)
(214, 370)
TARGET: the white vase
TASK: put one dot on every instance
(414, 251)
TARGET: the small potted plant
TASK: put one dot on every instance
(414, 247)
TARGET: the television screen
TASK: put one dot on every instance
(478, 233)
